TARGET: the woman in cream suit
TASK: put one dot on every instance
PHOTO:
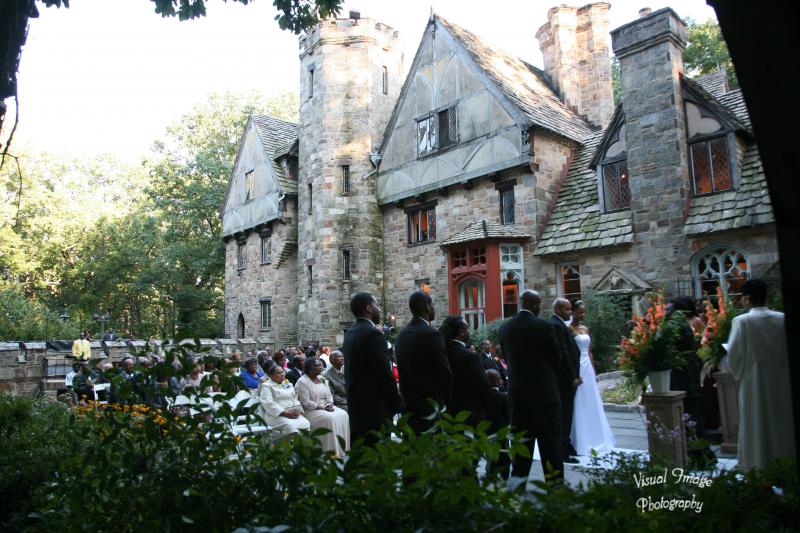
(280, 406)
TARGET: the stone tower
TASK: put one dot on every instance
(351, 72)
(575, 49)
(650, 52)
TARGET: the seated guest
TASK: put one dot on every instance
(335, 376)
(192, 381)
(280, 408)
(297, 368)
(279, 358)
(317, 401)
(252, 375)
(76, 368)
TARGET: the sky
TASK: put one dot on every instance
(111, 75)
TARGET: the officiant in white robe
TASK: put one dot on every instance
(758, 357)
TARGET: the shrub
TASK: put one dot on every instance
(489, 330)
(605, 318)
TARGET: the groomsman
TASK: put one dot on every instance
(372, 398)
(422, 364)
(531, 349)
(568, 372)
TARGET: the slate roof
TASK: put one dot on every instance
(734, 102)
(276, 135)
(748, 205)
(576, 222)
(482, 230)
(523, 84)
(715, 83)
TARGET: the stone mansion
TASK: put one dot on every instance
(477, 175)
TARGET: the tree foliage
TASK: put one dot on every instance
(706, 50)
(141, 242)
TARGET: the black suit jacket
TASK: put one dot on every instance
(372, 397)
(570, 353)
(471, 387)
(423, 368)
(293, 375)
(531, 349)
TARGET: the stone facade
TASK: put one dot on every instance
(351, 73)
(575, 45)
(469, 124)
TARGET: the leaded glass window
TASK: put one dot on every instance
(711, 170)
(471, 302)
(616, 187)
(507, 206)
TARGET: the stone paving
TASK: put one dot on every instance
(628, 426)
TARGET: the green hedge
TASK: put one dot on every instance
(132, 468)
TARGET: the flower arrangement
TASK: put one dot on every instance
(653, 342)
(718, 328)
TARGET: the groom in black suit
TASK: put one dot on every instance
(568, 373)
(531, 349)
(422, 365)
(372, 398)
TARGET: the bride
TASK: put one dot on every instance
(590, 428)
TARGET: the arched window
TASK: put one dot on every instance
(240, 327)
(720, 265)
(471, 302)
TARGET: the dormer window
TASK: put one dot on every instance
(437, 130)
(613, 175)
(709, 151)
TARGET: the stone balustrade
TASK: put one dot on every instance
(29, 368)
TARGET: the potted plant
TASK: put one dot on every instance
(651, 350)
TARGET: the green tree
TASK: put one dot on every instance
(189, 174)
(706, 50)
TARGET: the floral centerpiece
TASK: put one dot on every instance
(718, 328)
(652, 345)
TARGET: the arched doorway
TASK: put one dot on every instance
(240, 327)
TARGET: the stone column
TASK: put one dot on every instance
(728, 394)
(666, 434)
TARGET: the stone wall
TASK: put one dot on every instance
(534, 191)
(342, 119)
(273, 280)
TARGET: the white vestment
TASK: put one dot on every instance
(760, 362)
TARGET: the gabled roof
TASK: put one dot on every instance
(734, 102)
(525, 86)
(730, 119)
(577, 222)
(277, 137)
(715, 83)
(605, 140)
(484, 230)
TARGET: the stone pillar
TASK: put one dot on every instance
(116, 350)
(728, 394)
(247, 345)
(344, 111)
(650, 53)
(666, 433)
(227, 346)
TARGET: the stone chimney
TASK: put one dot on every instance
(575, 47)
(650, 53)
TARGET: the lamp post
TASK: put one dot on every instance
(102, 318)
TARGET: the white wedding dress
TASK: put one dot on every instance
(590, 428)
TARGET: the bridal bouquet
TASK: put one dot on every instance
(718, 328)
(653, 342)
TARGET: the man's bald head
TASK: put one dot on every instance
(531, 301)
(421, 305)
(562, 308)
